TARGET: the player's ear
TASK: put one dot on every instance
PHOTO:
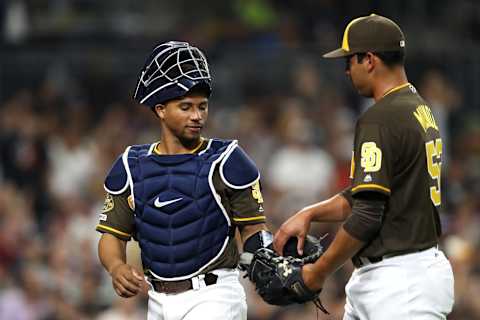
(371, 61)
(159, 110)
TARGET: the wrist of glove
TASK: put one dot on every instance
(279, 279)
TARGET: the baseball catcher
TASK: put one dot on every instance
(183, 198)
(278, 279)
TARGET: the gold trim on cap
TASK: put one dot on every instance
(345, 44)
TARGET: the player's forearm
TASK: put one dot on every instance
(334, 209)
(111, 251)
(343, 247)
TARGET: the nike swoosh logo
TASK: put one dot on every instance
(160, 204)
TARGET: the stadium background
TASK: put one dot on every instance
(67, 72)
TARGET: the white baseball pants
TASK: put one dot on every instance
(415, 286)
(224, 300)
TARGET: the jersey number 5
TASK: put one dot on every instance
(434, 163)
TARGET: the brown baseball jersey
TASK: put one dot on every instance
(397, 152)
(244, 206)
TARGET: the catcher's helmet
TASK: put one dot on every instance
(171, 71)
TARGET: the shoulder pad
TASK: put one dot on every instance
(238, 171)
(141, 150)
(222, 141)
(215, 144)
(116, 181)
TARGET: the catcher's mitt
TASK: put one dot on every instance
(278, 280)
(312, 249)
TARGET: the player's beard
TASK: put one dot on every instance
(190, 139)
(187, 138)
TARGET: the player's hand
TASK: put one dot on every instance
(296, 226)
(126, 281)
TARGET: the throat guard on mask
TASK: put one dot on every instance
(181, 224)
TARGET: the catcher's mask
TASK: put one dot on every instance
(170, 72)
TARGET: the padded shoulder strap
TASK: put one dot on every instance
(116, 181)
(238, 171)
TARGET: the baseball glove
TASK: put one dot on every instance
(278, 279)
(312, 249)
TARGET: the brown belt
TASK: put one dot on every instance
(181, 285)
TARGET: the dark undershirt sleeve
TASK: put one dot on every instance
(367, 215)
(347, 194)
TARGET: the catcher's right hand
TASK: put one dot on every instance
(126, 281)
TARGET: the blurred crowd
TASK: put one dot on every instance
(60, 133)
